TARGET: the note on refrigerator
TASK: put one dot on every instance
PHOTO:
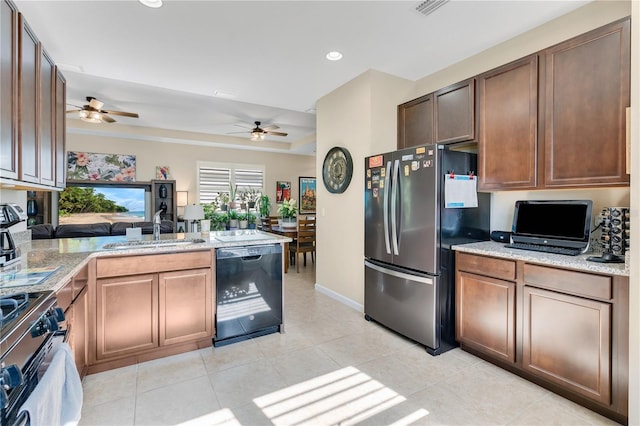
(460, 191)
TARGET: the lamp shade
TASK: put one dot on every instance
(183, 198)
(193, 212)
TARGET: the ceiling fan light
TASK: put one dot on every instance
(91, 117)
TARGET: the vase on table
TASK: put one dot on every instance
(289, 222)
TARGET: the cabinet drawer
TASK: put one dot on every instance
(578, 283)
(146, 264)
(490, 266)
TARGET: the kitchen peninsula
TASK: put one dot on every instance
(132, 301)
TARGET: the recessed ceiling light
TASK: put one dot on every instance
(152, 3)
(334, 56)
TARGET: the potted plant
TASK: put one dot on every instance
(288, 210)
(232, 196)
(264, 205)
(243, 221)
(233, 219)
(219, 221)
(251, 196)
(252, 220)
(224, 201)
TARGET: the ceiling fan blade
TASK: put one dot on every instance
(126, 114)
(107, 119)
(73, 110)
(276, 133)
(244, 126)
(94, 103)
(237, 133)
(271, 127)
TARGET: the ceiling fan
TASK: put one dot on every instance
(92, 113)
(258, 133)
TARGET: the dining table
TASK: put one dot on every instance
(291, 232)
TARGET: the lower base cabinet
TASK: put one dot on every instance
(567, 340)
(139, 311)
(566, 330)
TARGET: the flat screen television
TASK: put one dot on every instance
(565, 223)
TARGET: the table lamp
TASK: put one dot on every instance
(193, 213)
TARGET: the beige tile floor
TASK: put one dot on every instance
(330, 367)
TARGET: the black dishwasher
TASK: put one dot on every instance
(248, 292)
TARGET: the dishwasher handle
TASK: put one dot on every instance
(251, 258)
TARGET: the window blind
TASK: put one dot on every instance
(215, 179)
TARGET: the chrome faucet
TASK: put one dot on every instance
(156, 225)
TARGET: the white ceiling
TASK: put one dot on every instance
(264, 59)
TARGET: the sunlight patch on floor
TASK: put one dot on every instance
(222, 417)
(344, 396)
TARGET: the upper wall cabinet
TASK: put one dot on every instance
(28, 100)
(60, 130)
(454, 113)
(8, 93)
(32, 107)
(507, 122)
(415, 122)
(443, 117)
(586, 83)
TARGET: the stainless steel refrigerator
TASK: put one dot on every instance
(409, 264)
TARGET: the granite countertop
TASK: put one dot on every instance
(69, 255)
(495, 249)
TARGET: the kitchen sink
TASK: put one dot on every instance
(123, 245)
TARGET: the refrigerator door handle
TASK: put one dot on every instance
(385, 206)
(394, 203)
(398, 274)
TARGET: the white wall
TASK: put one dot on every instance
(182, 159)
(360, 116)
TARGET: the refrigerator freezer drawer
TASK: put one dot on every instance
(403, 301)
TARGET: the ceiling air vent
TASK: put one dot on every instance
(429, 6)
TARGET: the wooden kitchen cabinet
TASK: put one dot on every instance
(72, 299)
(60, 129)
(485, 306)
(127, 315)
(566, 340)
(585, 85)
(151, 304)
(415, 122)
(507, 123)
(454, 113)
(28, 101)
(564, 329)
(32, 107)
(185, 299)
(8, 92)
(46, 115)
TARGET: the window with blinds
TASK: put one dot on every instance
(214, 179)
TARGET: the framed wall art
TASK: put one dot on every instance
(307, 194)
(104, 167)
(283, 191)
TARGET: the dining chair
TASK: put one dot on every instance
(268, 222)
(305, 241)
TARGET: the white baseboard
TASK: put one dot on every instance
(340, 298)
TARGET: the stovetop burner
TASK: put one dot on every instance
(18, 312)
(11, 306)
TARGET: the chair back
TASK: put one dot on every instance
(306, 233)
(268, 222)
